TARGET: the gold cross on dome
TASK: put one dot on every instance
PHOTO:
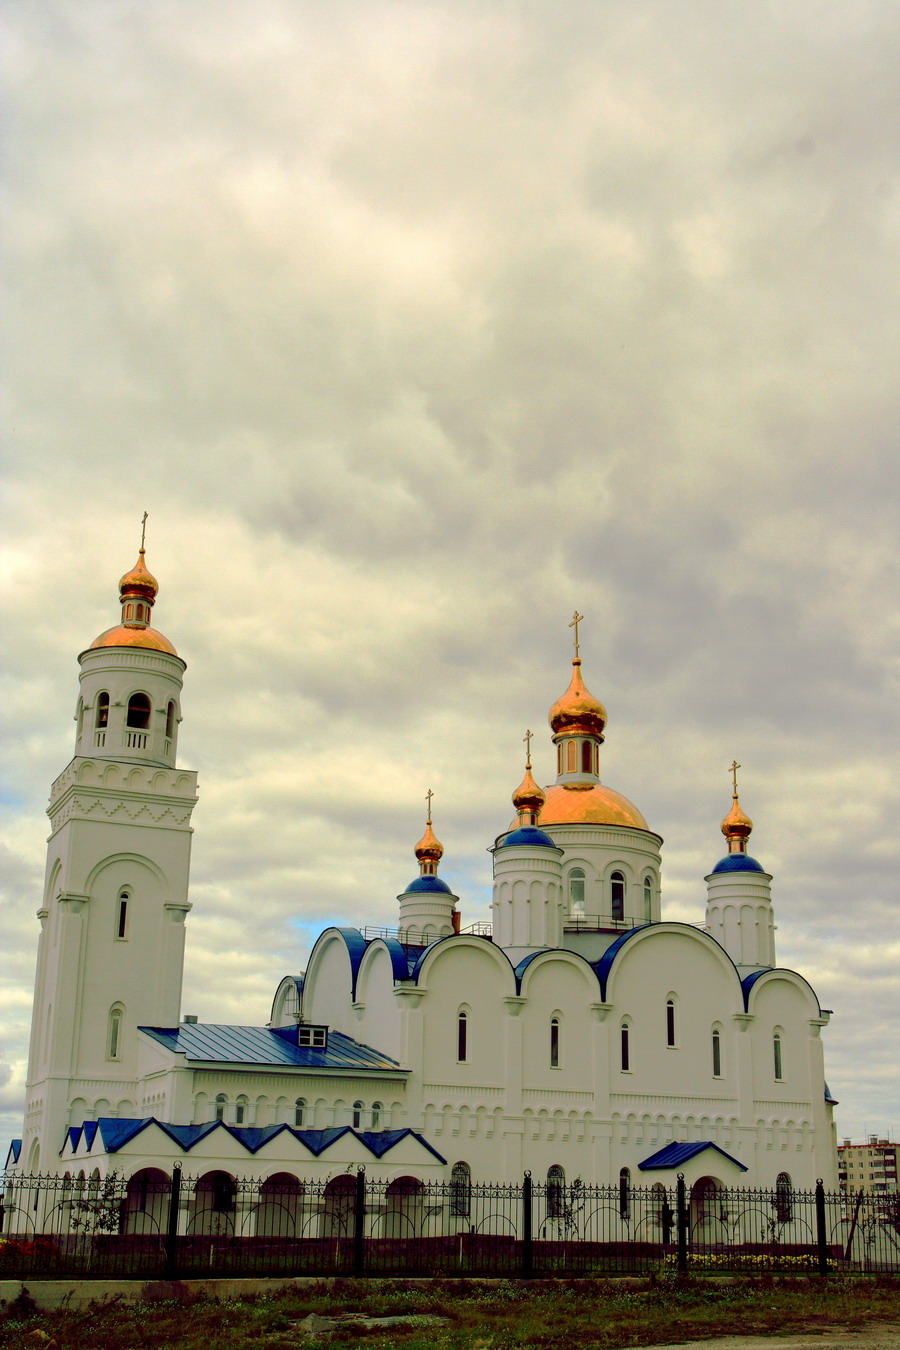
(428, 796)
(527, 739)
(576, 620)
(143, 530)
(732, 769)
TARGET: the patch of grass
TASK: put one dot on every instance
(546, 1315)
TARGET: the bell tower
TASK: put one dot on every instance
(111, 947)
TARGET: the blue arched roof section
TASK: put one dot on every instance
(749, 981)
(399, 959)
(556, 951)
(428, 884)
(604, 965)
(737, 862)
(528, 834)
(356, 949)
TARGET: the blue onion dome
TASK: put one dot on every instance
(528, 834)
(738, 862)
(428, 883)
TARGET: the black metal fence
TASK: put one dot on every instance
(152, 1225)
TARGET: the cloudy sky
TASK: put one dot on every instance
(416, 325)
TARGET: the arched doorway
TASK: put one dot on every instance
(146, 1208)
(280, 1201)
(340, 1200)
(403, 1211)
(708, 1220)
(213, 1205)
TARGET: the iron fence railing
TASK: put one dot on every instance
(152, 1225)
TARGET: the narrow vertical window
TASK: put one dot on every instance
(461, 1037)
(556, 1187)
(102, 718)
(240, 1111)
(554, 1043)
(461, 1190)
(299, 1112)
(129, 612)
(776, 1051)
(122, 914)
(357, 1115)
(170, 721)
(586, 757)
(115, 1033)
(670, 1021)
(571, 756)
(221, 1103)
(784, 1208)
(576, 890)
(138, 714)
(377, 1109)
(625, 1047)
(559, 758)
(596, 761)
(648, 899)
(625, 1193)
(617, 895)
(717, 1053)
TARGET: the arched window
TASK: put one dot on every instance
(576, 890)
(586, 757)
(571, 757)
(102, 715)
(462, 1046)
(625, 1047)
(670, 1021)
(717, 1053)
(624, 1193)
(556, 1191)
(129, 612)
(461, 1190)
(554, 1042)
(299, 1113)
(240, 1111)
(559, 758)
(648, 899)
(170, 721)
(122, 914)
(617, 895)
(138, 715)
(596, 760)
(357, 1115)
(221, 1103)
(114, 1038)
(777, 1056)
(784, 1198)
(377, 1109)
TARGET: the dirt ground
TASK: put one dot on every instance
(877, 1336)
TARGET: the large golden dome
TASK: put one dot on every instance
(588, 803)
(578, 713)
(128, 635)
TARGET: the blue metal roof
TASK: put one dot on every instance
(428, 884)
(673, 1155)
(15, 1151)
(604, 965)
(114, 1133)
(737, 862)
(832, 1101)
(211, 1043)
(527, 834)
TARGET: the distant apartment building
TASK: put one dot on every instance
(871, 1166)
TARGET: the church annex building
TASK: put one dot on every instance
(584, 1036)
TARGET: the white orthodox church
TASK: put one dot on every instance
(583, 1033)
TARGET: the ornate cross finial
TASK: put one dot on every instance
(732, 769)
(576, 620)
(143, 530)
(428, 796)
(527, 739)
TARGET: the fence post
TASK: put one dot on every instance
(682, 1220)
(359, 1223)
(171, 1245)
(821, 1228)
(527, 1253)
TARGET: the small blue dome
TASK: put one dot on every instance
(528, 834)
(738, 862)
(428, 884)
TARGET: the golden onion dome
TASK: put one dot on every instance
(736, 824)
(429, 848)
(588, 804)
(528, 796)
(578, 713)
(139, 581)
(129, 635)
